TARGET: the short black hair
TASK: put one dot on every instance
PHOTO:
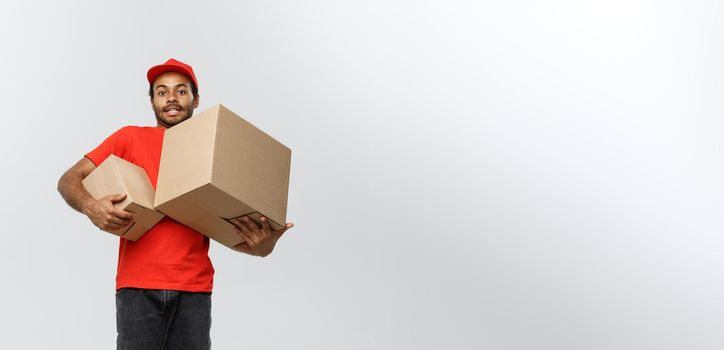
(194, 90)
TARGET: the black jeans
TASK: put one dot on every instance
(162, 319)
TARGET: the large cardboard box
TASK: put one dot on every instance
(216, 166)
(118, 176)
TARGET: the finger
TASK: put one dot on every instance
(238, 231)
(236, 222)
(117, 221)
(249, 222)
(260, 233)
(253, 229)
(116, 197)
(112, 216)
(241, 225)
(120, 213)
(247, 238)
(242, 229)
(249, 242)
(111, 227)
(265, 225)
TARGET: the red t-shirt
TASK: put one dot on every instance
(170, 255)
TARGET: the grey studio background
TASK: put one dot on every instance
(465, 174)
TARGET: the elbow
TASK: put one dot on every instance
(59, 187)
(64, 182)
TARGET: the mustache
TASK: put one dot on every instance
(173, 105)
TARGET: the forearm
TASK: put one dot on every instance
(72, 190)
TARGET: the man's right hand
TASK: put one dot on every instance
(106, 216)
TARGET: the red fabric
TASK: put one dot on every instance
(170, 255)
(173, 66)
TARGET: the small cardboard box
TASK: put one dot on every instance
(216, 166)
(118, 176)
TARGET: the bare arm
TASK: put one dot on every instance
(71, 188)
(101, 212)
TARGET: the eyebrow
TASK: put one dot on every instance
(164, 86)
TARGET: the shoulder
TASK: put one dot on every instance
(124, 135)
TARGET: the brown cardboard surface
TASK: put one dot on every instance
(217, 166)
(118, 176)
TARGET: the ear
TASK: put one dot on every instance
(196, 101)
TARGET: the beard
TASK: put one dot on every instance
(186, 113)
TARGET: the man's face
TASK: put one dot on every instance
(173, 101)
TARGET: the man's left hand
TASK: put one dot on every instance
(261, 239)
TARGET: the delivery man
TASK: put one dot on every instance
(164, 279)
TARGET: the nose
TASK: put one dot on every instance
(171, 98)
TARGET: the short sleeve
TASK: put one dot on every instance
(114, 144)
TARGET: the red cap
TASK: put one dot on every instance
(172, 65)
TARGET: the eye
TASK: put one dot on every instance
(162, 93)
(182, 92)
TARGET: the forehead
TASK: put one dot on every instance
(171, 79)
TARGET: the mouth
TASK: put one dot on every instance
(172, 111)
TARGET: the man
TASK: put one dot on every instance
(164, 279)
